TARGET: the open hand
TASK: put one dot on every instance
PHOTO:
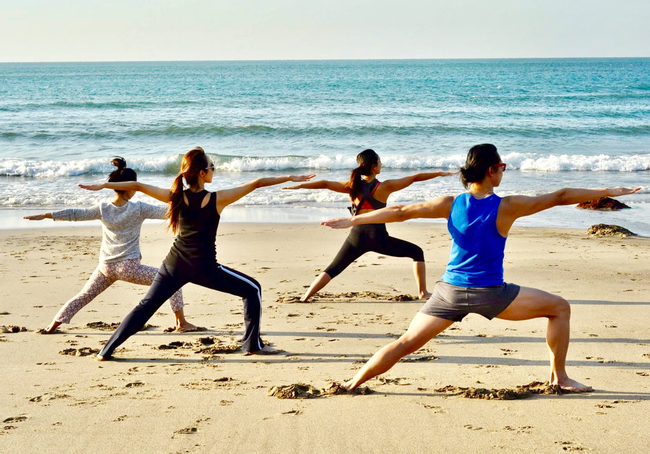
(35, 217)
(340, 223)
(92, 187)
(616, 192)
(299, 178)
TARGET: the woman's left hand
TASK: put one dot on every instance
(92, 187)
(299, 178)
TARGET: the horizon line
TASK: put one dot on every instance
(325, 59)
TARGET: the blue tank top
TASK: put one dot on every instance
(476, 258)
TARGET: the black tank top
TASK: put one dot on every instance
(366, 200)
(195, 245)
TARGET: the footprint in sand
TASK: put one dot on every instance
(435, 408)
(522, 429)
(83, 351)
(48, 396)
(15, 419)
(570, 446)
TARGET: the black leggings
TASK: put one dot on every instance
(375, 238)
(216, 277)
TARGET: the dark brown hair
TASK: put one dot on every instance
(122, 173)
(479, 160)
(365, 161)
(193, 162)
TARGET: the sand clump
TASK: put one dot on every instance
(103, 326)
(351, 296)
(520, 392)
(207, 346)
(12, 329)
(304, 391)
(609, 230)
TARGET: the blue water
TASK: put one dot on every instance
(556, 122)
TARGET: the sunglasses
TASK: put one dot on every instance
(503, 165)
(210, 167)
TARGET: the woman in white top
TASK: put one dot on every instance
(119, 257)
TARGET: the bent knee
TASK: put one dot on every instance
(561, 307)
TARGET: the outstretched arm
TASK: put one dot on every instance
(336, 186)
(227, 196)
(401, 183)
(162, 194)
(69, 214)
(514, 207)
(436, 208)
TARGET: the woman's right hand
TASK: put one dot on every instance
(37, 217)
(93, 186)
(297, 186)
(340, 223)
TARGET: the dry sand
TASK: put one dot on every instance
(177, 400)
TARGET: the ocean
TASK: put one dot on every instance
(556, 122)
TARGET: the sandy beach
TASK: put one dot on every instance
(193, 396)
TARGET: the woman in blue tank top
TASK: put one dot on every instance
(479, 222)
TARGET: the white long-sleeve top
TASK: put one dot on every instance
(120, 226)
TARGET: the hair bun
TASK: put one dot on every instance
(119, 162)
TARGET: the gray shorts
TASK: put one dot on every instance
(454, 303)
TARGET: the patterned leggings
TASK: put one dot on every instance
(105, 275)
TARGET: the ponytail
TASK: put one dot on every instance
(193, 162)
(365, 160)
(174, 211)
(355, 183)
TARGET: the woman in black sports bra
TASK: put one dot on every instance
(194, 215)
(367, 194)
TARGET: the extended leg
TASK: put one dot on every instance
(164, 285)
(231, 281)
(533, 303)
(95, 285)
(395, 247)
(346, 255)
(422, 329)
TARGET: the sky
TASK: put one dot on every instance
(171, 30)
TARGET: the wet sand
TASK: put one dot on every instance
(197, 392)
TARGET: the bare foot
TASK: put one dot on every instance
(50, 329)
(101, 358)
(573, 386)
(348, 385)
(424, 296)
(188, 327)
(266, 350)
